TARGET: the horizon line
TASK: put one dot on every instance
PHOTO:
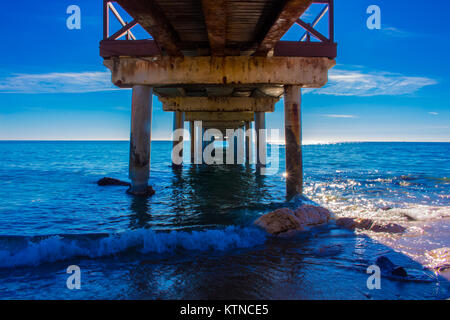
(187, 140)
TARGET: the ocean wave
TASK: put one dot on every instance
(33, 251)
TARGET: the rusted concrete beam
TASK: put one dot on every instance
(223, 124)
(215, 15)
(226, 104)
(291, 11)
(140, 139)
(219, 116)
(170, 71)
(293, 136)
(151, 17)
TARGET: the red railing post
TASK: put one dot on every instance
(105, 19)
(331, 20)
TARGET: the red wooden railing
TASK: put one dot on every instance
(325, 47)
(309, 27)
(108, 7)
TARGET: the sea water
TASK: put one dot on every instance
(195, 239)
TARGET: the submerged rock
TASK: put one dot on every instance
(328, 250)
(285, 222)
(279, 221)
(115, 182)
(112, 182)
(388, 267)
(368, 224)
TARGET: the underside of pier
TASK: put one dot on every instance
(221, 63)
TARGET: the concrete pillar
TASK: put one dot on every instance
(235, 149)
(293, 136)
(192, 130)
(247, 142)
(198, 144)
(178, 123)
(140, 139)
(203, 144)
(261, 146)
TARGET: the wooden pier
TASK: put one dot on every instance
(221, 62)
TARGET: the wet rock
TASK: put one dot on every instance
(150, 191)
(287, 223)
(112, 182)
(347, 223)
(440, 259)
(310, 215)
(387, 227)
(290, 233)
(368, 224)
(279, 221)
(388, 267)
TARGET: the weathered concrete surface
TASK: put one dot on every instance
(178, 123)
(192, 130)
(221, 125)
(368, 224)
(152, 18)
(227, 104)
(229, 70)
(215, 14)
(261, 142)
(141, 123)
(148, 192)
(293, 137)
(291, 10)
(219, 116)
(248, 145)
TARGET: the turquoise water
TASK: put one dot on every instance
(195, 238)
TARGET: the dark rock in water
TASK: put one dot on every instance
(279, 221)
(112, 182)
(368, 224)
(399, 272)
(387, 227)
(347, 223)
(150, 192)
(388, 267)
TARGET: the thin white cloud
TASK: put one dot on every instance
(71, 82)
(396, 32)
(433, 113)
(345, 116)
(361, 83)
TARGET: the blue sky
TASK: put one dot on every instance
(388, 85)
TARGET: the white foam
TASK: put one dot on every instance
(57, 248)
